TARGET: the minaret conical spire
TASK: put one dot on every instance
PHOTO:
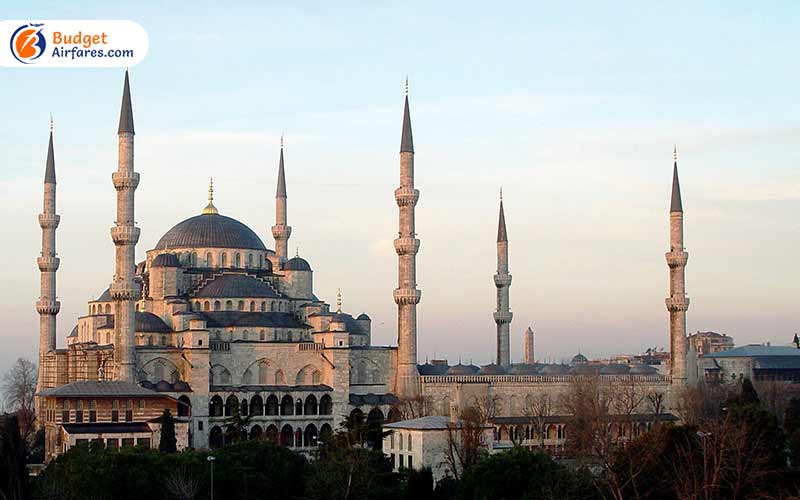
(502, 235)
(676, 205)
(50, 166)
(281, 191)
(502, 280)
(407, 139)
(126, 111)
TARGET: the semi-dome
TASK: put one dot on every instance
(460, 369)
(554, 370)
(165, 260)
(523, 369)
(493, 369)
(642, 369)
(614, 369)
(296, 264)
(236, 286)
(210, 230)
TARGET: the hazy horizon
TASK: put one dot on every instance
(573, 111)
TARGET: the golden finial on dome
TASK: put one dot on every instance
(210, 208)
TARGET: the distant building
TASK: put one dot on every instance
(756, 362)
(710, 342)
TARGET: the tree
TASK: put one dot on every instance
(466, 441)
(13, 473)
(419, 484)
(182, 484)
(19, 388)
(539, 408)
(522, 474)
(168, 443)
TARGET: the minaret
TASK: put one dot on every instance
(406, 295)
(125, 234)
(47, 306)
(281, 231)
(502, 280)
(677, 302)
(529, 348)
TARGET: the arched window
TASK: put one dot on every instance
(216, 439)
(298, 437)
(230, 404)
(298, 407)
(325, 433)
(400, 437)
(280, 379)
(229, 305)
(272, 405)
(287, 405)
(209, 260)
(272, 306)
(207, 306)
(394, 415)
(260, 261)
(252, 306)
(237, 260)
(223, 257)
(262, 335)
(215, 407)
(310, 407)
(325, 405)
(217, 305)
(263, 306)
(310, 436)
(184, 406)
(158, 372)
(244, 408)
(108, 308)
(250, 260)
(194, 259)
(287, 436)
(316, 377)
(256, 405)
(272, 434)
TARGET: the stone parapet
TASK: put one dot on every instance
(676, 304)
(124, 180)
(407, 296)
(501, 280)
(676, 259)
(48, 306)
(503, 316)
(125, 235)
(49, 221)
(406, 246)
(406, 196)
(48, 264)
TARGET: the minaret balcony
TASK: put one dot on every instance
(125, 235)
(407, 296)
(49, 221)
(677, 304)
(677, 259)
(47, 306)
(406, 196)
(501, 280)
(124, 180)
(503, 317)
(281, 232)
(406, 246)
(122, 291)
(48, 264)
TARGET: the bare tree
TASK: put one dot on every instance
(19, 389)
(656, 400)
(539, 408)
(466, 440)
(414, 407)
(182, 484)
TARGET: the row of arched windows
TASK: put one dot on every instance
(287, 436)
(99, 309)
(236, 260)
(257, 406)
(241, 305)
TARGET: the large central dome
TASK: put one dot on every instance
(210, 230)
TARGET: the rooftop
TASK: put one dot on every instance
(92, 388)
(747, 351)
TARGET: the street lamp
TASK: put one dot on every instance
(211, 459)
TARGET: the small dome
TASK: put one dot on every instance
(493, 369)
(641, 369)
(296, 264)
(460, 369)
(163, 386)
(579, 359)
(429, 369)
(140, 267)
(363, 316)
(165, 260)
(148, 322)
(180, 385)
(614, 369)
(523, 369)
(554, 370)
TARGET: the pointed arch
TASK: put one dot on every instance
(306, 375)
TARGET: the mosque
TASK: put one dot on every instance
(213, 324)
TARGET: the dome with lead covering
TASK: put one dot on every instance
(165, 260)
(296, 264)
(210, 231)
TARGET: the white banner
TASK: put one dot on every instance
(72, 44)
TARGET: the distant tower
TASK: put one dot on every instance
(47, 306)
(125, 234)
(677, 302)
(281, 231)
(406, 295)
(529, 352)
(502, 280)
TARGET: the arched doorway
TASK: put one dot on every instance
(325, 405)
(394, 415)
(184, 406)
(325, 433)
(215, 407)
(272, 434)
(310, 436)
(375, 429)
(256, 431)
(216, 439)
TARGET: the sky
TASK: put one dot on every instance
(572, 108)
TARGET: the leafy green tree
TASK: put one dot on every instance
(419, 484)
(520, 474)
(168, 442)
